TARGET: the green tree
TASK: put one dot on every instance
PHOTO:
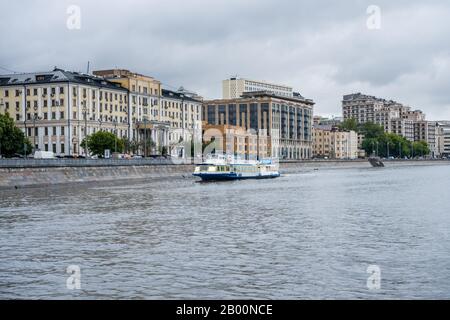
(100, 141)
(12, 139)
(350, 124)
(148, 146)
(371, 130)
(163, 151)
(131, 146)
(420, 149)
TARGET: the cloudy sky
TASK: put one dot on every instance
(322, 48)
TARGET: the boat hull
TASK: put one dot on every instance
(230, 177)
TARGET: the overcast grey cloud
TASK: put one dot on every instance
(322, 48)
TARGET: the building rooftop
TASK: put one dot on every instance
(261, 81)
(120, 73)
(57, 76)
(259, 94)
(169, 94)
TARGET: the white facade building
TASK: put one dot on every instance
(233, 88)
(56, 110)
(183, 111)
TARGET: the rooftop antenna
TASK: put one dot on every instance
(88, 65)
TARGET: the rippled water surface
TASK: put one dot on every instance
(306, 235)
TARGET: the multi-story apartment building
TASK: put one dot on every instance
(427, 131)
(236, 140)
(443, 138)
(182, 110)
(287, 121)
(392, 116)
(235, 87)
(402, 127)
(330, 142)
(58, 109)
(323, 121)
(62, 108)
(146, 118)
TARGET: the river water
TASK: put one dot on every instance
(306, 235)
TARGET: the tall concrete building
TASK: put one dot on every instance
(427, 131)
(443, 138)
(287, 121)
(392, 116)
(182, 110)
(235, 87)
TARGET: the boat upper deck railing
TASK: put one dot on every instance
(222, 159)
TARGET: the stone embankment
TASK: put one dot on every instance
(23, 173)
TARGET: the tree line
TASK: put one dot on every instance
(378, 142)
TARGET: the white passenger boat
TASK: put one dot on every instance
(218, 167)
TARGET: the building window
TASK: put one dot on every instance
(54, 131)
(61, 115)
(35, 92)
(6, 93)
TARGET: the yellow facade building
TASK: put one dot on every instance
(332, 143)
(236, 140)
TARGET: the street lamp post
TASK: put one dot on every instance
(26, 138)
(387, 147)
(25, 121)
(115, 135)
(36, 117)
(400, 150)
(2, 104)
(183, 122)
(145, 137)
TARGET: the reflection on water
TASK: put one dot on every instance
(306, 235)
